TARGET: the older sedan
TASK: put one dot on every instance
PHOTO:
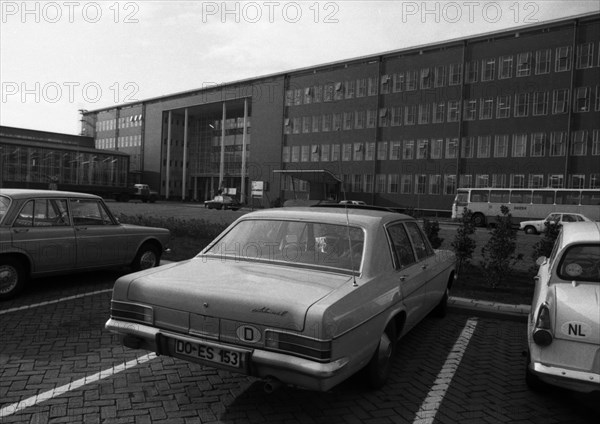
(301, 296)
(45, 232)
(564, 322)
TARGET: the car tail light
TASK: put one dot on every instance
(542, 334)
(298, 345)
(131, 312)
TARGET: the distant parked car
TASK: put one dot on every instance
(223, 202)
(305, 296)
(564, 323)
(352, 202)
(538, 226)
(46, 232)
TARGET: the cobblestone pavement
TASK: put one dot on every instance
(59, 365)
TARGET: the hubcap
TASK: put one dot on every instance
(8, 278)
(385, 349)
(148, 260)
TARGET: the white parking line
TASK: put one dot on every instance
(74, 385)
(432, 402)
(50, 302)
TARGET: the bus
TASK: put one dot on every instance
(525, 204)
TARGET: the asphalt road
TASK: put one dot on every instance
(58, 364)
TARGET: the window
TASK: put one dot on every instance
(524, 64)
(503, 107)
(597, 99)
(538, 144)
(385, 84)
(581, 103)
(439, 109)
(361, 87)
(560, 101)
(406, 184)
(308, 95)
(420, 184)
(348, 120)
(426, 80)
(498, 180)
(289, 97)
(455, 74)
(521, 105)
(48, 213)
(396, 116)
(347, 152)
(472, 72)
(519, 145)
(318, 94)
(536, 180)
(398, 82)
(466, 180)
(558, 143)
(337, 121)
(384, 117)
(305, 154)
(393, 183)
(517, 180)
(556, 180)
(296, 125)
(357, 183)
(542, 61)
(577, 181)
(306, 124)
(371, 118)
(506, 67)
(328, 94)
(368, 187)
(350, 88)
(370, 150)
(89, 212)
(402, 248)
(540, 103)
(285, 155)
(439, 76)
(435, 184)
(411, 80)
(316, 123)
(585, 55)
(488, 69)
(579, 143)
(467, 147)
(380, 180)
(315, 153)
(335, 152)
(395, 147)
(451, 148)
(594, 183)
(596, 143)
(372, 86)
(563, 59)
(422, 149)
(360, 119)
(424, 112)
(483, 146)
(408, 148)
(410, 113)
(482, 180)
(453, 110)
(327, 122)
(449, 184)
(325, 152)
(487, 108)
(436, 148)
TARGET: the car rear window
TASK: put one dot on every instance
(580, 262)
(292, 242)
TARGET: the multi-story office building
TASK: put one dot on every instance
(406, 128)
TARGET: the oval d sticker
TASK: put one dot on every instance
(248, 333)
(576, 329)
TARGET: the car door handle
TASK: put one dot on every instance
(424, 266)
(20, 230)
(404, 277)
(80, 228)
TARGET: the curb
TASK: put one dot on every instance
(487, 308)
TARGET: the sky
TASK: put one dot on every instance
(59, 57)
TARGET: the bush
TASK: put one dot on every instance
(196, 228)
(463, 245)
(545, 245)
(432, 228)
(499, 252)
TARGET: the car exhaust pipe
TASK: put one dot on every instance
(271, 384)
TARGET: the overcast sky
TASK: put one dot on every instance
(59, 57)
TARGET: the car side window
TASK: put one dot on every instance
(422, 247)
(89, 212)
(43, 213)
(402, 249)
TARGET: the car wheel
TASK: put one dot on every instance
(479, 220)
(532, 380)
(380, 366)
(441, 309)
(13, 278)
(530, 230)
(147, 257)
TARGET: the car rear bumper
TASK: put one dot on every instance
(261, 363)
(579, 381)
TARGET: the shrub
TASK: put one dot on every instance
(432, 228)
(463, 245)
(546, 243)
(195, 228)
(499, 252)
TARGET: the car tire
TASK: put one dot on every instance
(13, 278)
(530, 230)
(479, 220)
(148, 256)
(441, 309)
(380, 366)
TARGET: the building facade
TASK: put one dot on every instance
(517, 108)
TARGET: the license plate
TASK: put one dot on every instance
(228, 357)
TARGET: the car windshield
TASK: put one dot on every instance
(581, 263)
(292, 242)
(4, 202)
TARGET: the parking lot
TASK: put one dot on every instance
(58, 364)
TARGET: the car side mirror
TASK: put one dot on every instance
(541, 260)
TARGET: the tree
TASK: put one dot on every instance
(499, 252)
(463, 245)
(546, 243)
(432, 229)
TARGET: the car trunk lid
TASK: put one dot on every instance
(241, 291)
(578, 312)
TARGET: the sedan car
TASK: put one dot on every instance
(45, 232)
(538, 226)
(304, 296)
(564, 323)
(223, 202)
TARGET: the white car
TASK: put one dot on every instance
(353, 202)
(563, 331)
(538, 226)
